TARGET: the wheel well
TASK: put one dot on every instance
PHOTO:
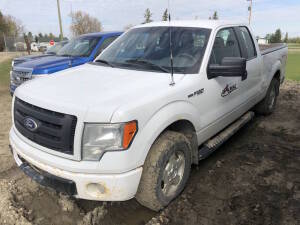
(187, 128)
(277, 75)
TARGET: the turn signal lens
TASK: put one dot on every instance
(129, 132)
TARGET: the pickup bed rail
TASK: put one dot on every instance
(266, 49)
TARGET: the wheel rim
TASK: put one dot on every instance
(272, 98)
(173, 174)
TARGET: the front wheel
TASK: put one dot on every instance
(268, 104)
(166, 170)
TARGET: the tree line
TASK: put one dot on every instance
(9, 26)
(277, 37)
(82, 23)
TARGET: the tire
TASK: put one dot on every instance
(159, 184)
(268, 104)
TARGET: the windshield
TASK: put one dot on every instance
(148, 48)
(55, 48)
(82, 46)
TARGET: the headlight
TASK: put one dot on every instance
(12, 63)
(99, 138)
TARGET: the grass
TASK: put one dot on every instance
(293, 66)
(5, 67)
(294, 46)
(292, 70)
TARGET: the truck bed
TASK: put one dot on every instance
(266, 49)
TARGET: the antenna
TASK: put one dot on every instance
(171, 47)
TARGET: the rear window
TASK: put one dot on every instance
(248, 42)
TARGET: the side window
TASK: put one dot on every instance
(226, 45)
(105, 44)
(248, 42)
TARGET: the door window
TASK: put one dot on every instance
(248, 42)
(226, 45)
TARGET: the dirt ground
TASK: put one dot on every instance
(252, 179)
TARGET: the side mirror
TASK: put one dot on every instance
(230, 67)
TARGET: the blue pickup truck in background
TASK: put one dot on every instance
(78, 51)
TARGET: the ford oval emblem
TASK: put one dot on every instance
(30, 124)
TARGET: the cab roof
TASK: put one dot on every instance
(210, 24)
(102, 34)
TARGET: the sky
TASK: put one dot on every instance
(268, 15)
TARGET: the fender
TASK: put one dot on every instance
(268, 78)
(163, 118)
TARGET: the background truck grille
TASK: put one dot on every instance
(19, 76)
(54, 130)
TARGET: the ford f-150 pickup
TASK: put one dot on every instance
(78, 51)
(130, 124)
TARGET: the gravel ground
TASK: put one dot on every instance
(254, 178)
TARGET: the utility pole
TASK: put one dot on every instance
(59, 19)
(250, 11)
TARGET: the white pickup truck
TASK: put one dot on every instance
(131, 123)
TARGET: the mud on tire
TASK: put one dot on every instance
(268, 104)
(170, 148)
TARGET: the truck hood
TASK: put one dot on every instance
(29, 57)
(93, 91)
(50, 64)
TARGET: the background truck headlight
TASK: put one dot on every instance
(99, 138)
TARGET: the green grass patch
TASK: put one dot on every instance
(294, 46)
(293, 66)
(5, 67)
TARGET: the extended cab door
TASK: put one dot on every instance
(254, 62)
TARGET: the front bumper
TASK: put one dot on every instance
(101, 187)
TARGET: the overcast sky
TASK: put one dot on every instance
(41, 15)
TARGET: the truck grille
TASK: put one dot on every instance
(20, 76)
(50, 129)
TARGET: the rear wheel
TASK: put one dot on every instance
(268, 104)
(166, 170)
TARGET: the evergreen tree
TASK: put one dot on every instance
(276, 37)
(215, 16)
(286, 38)
(148, 16)
(165, 16)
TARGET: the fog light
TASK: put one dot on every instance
(96, 189)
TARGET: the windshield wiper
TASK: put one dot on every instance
(104, 62)
(145, 62)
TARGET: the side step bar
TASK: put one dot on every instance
(213, 144)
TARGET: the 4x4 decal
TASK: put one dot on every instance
(228, 90)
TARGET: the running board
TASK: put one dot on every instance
(213, 144)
